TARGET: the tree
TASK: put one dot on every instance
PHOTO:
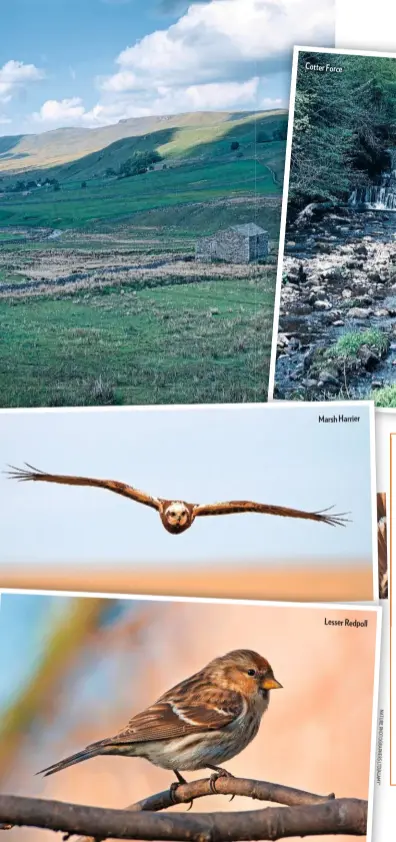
(344, 123)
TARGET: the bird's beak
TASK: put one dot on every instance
(270, 683)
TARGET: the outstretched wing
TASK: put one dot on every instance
(237, 506)
(35, 475)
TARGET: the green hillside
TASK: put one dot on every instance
(181, 133)
(198, 166)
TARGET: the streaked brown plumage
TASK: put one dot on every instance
(201, 722)
(176, 515)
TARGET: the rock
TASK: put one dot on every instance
(346, 293)
(290, 244)
(376, 384)
(381, 313)
(360, 312)
(310, 384)
(282, 340)
(324, 248)
(322, 305)
(376, 277)
(328, 378)
(368, 357)
(294, 342)
(338, 323)
(298, 309)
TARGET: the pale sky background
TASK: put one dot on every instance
(89, 63)
(278, 454)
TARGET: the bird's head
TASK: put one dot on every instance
(246, 672)
(176, 517)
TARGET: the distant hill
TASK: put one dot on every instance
(86, 153)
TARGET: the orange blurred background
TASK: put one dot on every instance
(92, 673)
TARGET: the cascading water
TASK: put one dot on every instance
(378, 197)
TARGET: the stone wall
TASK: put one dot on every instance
(232, 247)
(258, 246)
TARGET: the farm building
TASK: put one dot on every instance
(236, 244)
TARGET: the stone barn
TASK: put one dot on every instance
(236, 244)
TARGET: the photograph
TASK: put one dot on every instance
(141, 171)
(269, 501)
(392, 628)
(199, 698)
(335, 312)
(385, 791)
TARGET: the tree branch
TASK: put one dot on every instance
(336, 816)
(261, 790)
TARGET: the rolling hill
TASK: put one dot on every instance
(86, 153)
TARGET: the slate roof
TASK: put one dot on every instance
(250, 229)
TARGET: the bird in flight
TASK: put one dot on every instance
(176, 515)
(205, 720)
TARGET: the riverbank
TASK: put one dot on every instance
(337, 325)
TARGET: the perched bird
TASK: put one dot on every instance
(176, 515)
(201, 722)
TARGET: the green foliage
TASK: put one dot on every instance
(348, 345)
(385, 398)
(343, 125)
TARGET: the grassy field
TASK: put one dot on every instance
(194, 343)
(101, 300)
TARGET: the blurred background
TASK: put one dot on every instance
(75, 669)
(88, 539)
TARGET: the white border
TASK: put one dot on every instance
(327, 606)
(275, 405)
(286, 179)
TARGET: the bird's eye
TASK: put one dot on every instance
(251, 672)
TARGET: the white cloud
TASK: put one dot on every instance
(219, 55)
(122, 81)
(223, 39)
(270, 102)
(62, 112)
(15, 75)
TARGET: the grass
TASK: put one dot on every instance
(119, 199)
(385, 398)
(205, 342)
(349, 345)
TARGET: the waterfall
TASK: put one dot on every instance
(377, 197)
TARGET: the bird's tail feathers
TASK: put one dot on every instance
(86, 754)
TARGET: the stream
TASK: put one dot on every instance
(339, 277)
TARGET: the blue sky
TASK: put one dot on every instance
(276, 454)
(92, 62)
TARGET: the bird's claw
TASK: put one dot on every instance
(172, 793)
(221, 773)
